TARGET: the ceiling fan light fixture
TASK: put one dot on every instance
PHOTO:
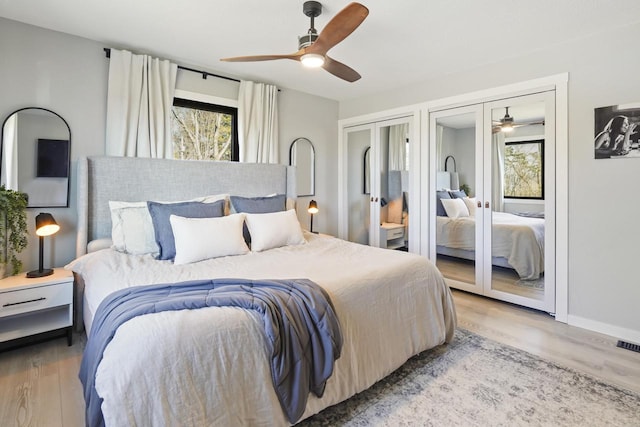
(312, 60)
(507, 127)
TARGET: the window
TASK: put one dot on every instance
(524, 169)
(204, 131)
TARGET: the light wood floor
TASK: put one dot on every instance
(39, 384)
(502, 279)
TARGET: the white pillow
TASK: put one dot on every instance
(272, 230)
(470, 203)
(455, 208)
(198, 239)
(132, 227)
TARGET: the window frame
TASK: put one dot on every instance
(215, 108)
(529, 140)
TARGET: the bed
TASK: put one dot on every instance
(175, 368)
(517, 241)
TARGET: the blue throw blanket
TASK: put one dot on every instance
(302, 330)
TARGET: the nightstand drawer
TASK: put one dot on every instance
(33, 299)
(395, 233)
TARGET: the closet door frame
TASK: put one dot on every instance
(343, 202)
(409, 114)
(558, 83)
(477, 111)
(548, 302)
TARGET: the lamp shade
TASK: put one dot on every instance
(313, 207)
(46, 225)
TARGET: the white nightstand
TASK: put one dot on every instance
(32, 306)
(391, 235)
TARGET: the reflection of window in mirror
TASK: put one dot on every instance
(524, 169)
(302, 156)
(36, 156)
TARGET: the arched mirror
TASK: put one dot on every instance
(35, 156)
(302, 155)
(366, 168)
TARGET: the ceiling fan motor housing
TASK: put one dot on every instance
(312, 9)
(307, 40)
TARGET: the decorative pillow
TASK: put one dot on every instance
(160, 213)
(273, 230)
(254, 205)
(197, 239)
(457, 194)
(266, 204)
(455, 208)
(441, 194)
(132, 227)
(470, 203)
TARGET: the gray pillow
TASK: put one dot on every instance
(457, 194)
(160, 213)
(267, 204)
(441, 194)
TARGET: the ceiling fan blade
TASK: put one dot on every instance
(336, 30)
(340, 70)
(294, 56)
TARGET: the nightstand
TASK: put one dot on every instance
(391, 235)
(33, 306)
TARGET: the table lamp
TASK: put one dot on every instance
(313, 209)
(45, 226)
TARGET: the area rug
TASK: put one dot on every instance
(474, 381)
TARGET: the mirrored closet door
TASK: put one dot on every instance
(378, 188)
(494, 198)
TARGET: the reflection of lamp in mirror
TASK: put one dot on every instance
(45, 226)
(313, 209)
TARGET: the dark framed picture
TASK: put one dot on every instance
(617, 131)
(53, 158)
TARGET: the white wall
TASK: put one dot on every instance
(604, 288)
(68, 75)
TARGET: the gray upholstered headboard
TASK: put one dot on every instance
(132, 179)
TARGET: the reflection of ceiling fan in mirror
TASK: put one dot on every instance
(313, 47)
(508, 123)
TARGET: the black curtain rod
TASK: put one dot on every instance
(205, 74)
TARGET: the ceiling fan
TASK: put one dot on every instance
(313, 47)
(507, 123)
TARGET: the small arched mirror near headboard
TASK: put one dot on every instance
(35, 156)
(302, 155)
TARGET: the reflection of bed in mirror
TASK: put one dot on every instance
(517, 241)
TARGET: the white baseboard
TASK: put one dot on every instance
(624, 334)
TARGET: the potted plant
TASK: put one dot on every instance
(13, 230)
(466, 189)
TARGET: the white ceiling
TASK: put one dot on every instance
(400, 43)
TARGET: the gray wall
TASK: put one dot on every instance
(68, 75)
(604, 285)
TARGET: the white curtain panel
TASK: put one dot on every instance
(139, 101)
(10, 153)
(497, 168)
(258, 123)
(439, 142)
(398, 147)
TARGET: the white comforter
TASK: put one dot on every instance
(209, 366)
(518, 239)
